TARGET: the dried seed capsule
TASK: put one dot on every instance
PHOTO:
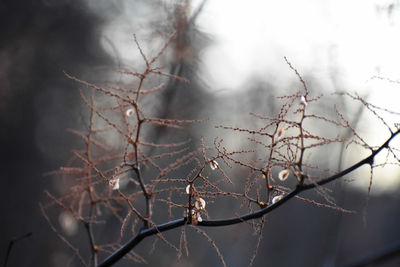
(283, 175)
(213, 165)
(276, 199)
(200, 204)
(114, 183)
(130, 112)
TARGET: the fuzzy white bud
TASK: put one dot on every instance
(130, 112)
(200, 204)
(114, 183)
(188, 189)
(213, 165)
(303, 100)
(276, 199)
(283, 175)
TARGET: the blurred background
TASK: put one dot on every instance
(232, 53)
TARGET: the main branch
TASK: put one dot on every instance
(122, 251)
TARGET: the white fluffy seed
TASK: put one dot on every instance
(200, 204)
(213, 165)
(283, 175)
(188, 189)
(276, 199)
(130, 112)
(114, 183)
(303, 100)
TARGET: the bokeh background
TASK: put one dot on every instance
(232, 52)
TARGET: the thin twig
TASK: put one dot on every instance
(11, 244)
(123, 250)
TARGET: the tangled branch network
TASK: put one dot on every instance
(122, 182)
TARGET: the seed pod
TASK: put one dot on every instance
(114, 183)
(283, 175)
(303, 100)
(130, 112)
(276, 199)
(213, 165)
(200, 204)
(188, 189)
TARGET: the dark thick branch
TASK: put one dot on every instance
(122, 251)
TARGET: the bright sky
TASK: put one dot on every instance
(348, 39)
(252, 37)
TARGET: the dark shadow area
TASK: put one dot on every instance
(39, 39)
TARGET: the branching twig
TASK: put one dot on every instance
(254, 215)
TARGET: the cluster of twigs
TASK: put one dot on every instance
(134, 180)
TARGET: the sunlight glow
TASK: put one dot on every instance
(343, 44)
(346, 41)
